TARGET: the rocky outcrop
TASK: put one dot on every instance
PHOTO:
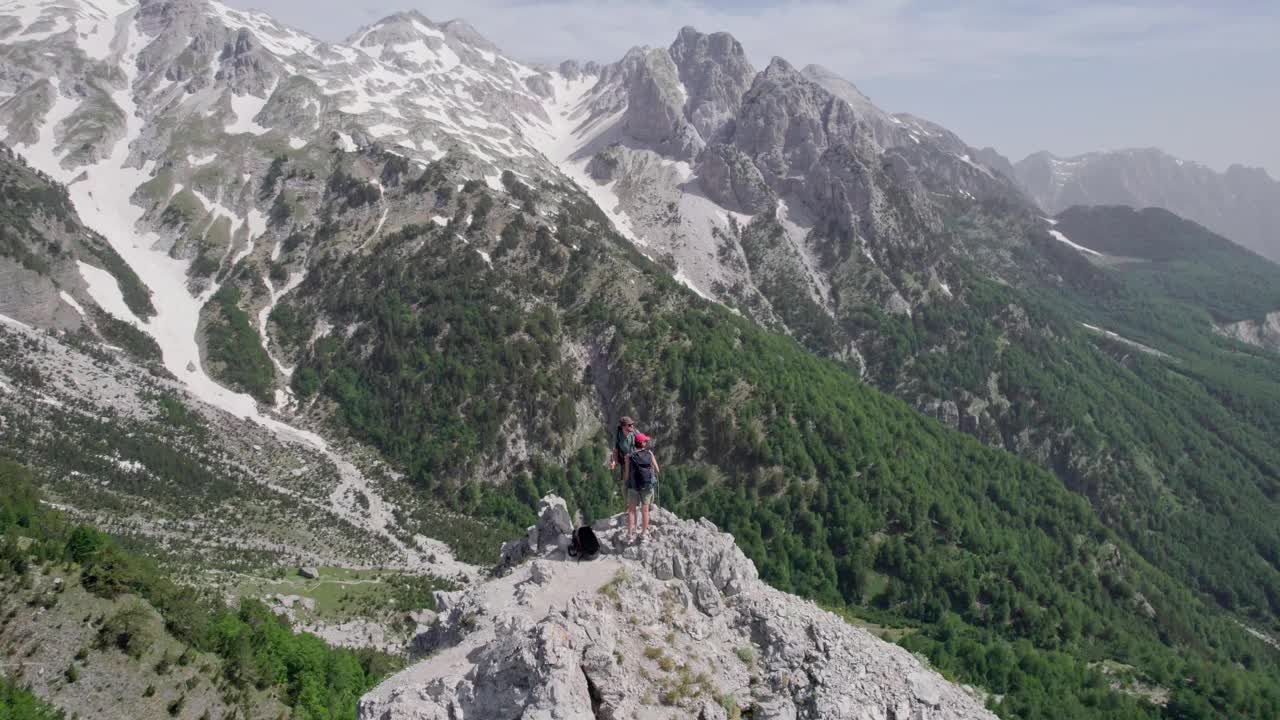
(1264, 333)
(679, 627)
(655, 108)
(887, 131)
(809, 144)
(716, 74)
(732, 180)
(551, 533)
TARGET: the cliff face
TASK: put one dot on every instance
(677, 627)
(1264, 333)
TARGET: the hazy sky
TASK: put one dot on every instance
(1197, 79)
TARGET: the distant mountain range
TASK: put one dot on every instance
(1242, 203)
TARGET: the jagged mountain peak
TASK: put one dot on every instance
(719, 42)
(841, 88)
(410, 40)
(817, 72)
(573, 70)
(778, 66)
(467, 33)
(1249, 171)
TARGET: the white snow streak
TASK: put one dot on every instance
(1063, 238)
(66, 298)
(264, 315)
(102, 199)
(384, 129)
(689, 284)
(561, 138)
(246, 108)
(106, 292)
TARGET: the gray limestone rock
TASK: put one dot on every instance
(602, 639)
(732, 180)
(949, 414)
(655, 107)
(540, 85)
(716, 74)
(549, 537)
(1264, 333)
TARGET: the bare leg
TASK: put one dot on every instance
(631, 518)
(644, 513)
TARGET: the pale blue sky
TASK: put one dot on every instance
(1197, 79)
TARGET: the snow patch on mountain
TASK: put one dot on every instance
(1057, 235)
(565, 140)
(1125, 341)
(106, 292)
(246, 108)
(275, 37)
(964, 158)
(66, 298)
(264, 315)
(382, 130)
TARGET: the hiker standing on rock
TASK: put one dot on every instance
(642, 482)
(624, 441)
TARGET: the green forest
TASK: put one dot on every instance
(1117, 560)
(1006, 578)
(17, 703)
(258, 649)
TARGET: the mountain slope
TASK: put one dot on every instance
(782, 192)
(771, 442)
(48, 259)
(99, 632)
(1240, 203)
(412, 236)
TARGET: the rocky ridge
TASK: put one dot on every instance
(207, 143)
(678, 627)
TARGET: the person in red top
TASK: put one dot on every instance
(642, 482)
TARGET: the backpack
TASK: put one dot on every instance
(584, 544)
(642, 475)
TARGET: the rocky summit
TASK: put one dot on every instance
(679, 626)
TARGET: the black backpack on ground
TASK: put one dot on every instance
(584, 544)
(642, 475)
